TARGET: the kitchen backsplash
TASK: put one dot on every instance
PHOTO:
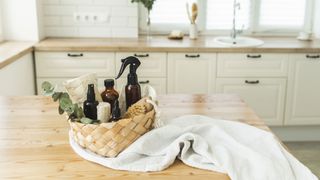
(90, 18)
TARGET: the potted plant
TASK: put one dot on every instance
(148, 4)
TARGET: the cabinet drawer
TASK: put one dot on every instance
(252, 65)
(73, 64)
(266, 96)
(59, 81)
(152, 64)
(160, 84)
(191, 72)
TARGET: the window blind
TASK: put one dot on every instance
(282, 13)
(220, 14)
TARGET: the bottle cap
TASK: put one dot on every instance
(109, 83)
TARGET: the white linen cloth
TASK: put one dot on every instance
(242, 151)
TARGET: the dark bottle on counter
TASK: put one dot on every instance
(116, 112)
(132, 89)
(90, 105)
(109, 95)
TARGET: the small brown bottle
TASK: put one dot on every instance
(109, 95)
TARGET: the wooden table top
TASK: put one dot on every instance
(34, 140)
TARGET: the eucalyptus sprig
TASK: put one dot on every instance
(146, 3)
(74, 112)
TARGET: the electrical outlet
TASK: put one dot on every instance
(91, 18)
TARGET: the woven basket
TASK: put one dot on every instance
(109, 139)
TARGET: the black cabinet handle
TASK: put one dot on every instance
(141, 55)
(75, 55)
(192, 56)
(254, 56)
(144, 82)
(313, 56)
(252, 82)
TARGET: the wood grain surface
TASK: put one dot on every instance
(163, 44)
(34, 139)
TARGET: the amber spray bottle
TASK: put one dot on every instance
(132, 89)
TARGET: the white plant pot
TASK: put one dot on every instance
(193, 31)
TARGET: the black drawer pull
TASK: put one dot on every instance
(192, 56)
(313, 56)
(144, 82)
(141, 55)
(254, 56)
(252, 82)
(75, 55)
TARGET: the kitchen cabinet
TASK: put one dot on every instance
(282, 88)
(58, 82)
(152, 64)
(260, 79)
(252, 65)
(191, 72)
(303, 99)
(17, 78)
(159, 84)
(265, 95)
(74, 64)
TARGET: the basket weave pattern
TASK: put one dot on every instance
(109, 139)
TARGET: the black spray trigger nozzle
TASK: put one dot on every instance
(132, 61)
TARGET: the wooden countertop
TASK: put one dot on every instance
(34, 138)
(10, 51)
(163, 44)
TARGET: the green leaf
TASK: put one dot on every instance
(85, 120)
(56, 96)
(66, 105)
(47, 87)
(78, 111)
(65, 95)
(61, 111)
(146, 3)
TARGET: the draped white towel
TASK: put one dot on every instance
(242, 151)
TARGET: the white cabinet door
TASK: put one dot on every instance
(252, 65)
(17, 79)
(303, 99)
(159, 84)
(265, 95)
(191, 72)
(74, 64)
(58, 82)
(152, 64)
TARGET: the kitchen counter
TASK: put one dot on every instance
(34, 138)
(163, 44)
(10, 51)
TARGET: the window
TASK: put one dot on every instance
(282, 13)
(220, 14)
(169, 12)
(253, 16)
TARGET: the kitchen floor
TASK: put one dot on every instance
(308, 153)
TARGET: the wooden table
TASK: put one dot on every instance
(34, 140)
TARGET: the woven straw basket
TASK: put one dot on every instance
(109, 139)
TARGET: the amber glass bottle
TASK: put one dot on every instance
(109, 95)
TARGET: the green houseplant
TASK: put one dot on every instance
(148, 4)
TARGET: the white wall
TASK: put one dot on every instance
(17, 78)
(1, 31)
(20, 21)
(316, 25)
(59, 18)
